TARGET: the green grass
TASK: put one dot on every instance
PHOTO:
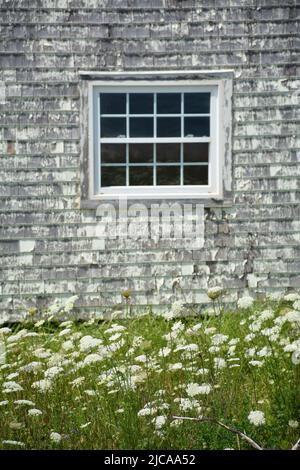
(132, 372)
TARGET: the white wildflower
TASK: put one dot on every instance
(5, 331)
(256, 363)
(292, 297)
(32, 367)
(69, 304)
(159, 421)
(178, 326)
(194, 389)
(177, 308)
(68, 345)
(265, 352)
(296, 305)
(12, 376)
(53, 371)
(55, 437)
(34, 412)
(218, 339)
(296, 357)
(42, 385)
(255, 326)
(293, 424)
(164, 352)
(115, 328)
(11, 386)
(13, 443)
(245, 302)
(24, 402)
(266, 315)
(220, 363)
(249, 337)
(257, 418)
(293, 316)
(91, 359)
(141, 358)
(77, 381)
(42, 353)
(209, 330)
(115, 336)
(187, 404)
(214, 292)
(88, 342)
(65, 332)
(176, 366)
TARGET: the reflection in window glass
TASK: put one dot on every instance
(141, 127)
(113, 103)
(141, 103)
(113, 176)
(196, 126)
(195, 152)
(141, 175)
(196, 103)
(167, 175)
(168, 153)
(168, 103)
(195, 175)
(113, 127)
(113, 153)
(168, 127)
(140, 153)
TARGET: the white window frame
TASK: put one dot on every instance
(216, 139)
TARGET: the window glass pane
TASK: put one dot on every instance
(168, 127)
(168, 153)
(113, 176)
(196, 103)
(167, 175)
(113, 153)
(196, 126)
(195, 152)
(141, 127)
(141, 176)
(113, 103)
(168, 103)
(141, 103)
(193, 174)
(140, 153)
(113, 127)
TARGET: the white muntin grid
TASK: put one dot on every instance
(155, 189)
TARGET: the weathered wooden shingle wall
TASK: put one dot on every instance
(47, 244)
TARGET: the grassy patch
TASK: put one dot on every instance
(119, 384)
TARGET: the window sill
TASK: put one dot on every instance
(197, 198)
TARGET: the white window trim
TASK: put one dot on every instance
(213, 191)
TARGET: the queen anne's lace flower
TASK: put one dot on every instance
(293, 424)
(245, 302)
(257, 418)
(88, 342)
(194, 389)
(214, 292)
(55, 437)
(34, 412)
(42, 385)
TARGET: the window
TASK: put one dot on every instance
(156, 138)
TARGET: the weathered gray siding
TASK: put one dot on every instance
(46, 243)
